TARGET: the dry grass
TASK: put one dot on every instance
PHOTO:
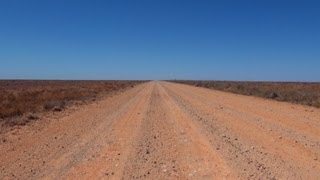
(22, 98)
(300, 93)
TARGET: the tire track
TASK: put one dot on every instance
(170, 147)
(109, 162)
(63, 143)
(161, 130)
(254, 151)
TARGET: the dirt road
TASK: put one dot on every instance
(161, 130)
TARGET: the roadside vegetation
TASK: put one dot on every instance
(20, 100)
(295, 92)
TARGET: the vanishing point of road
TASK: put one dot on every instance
(162, 130)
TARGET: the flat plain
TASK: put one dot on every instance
(305, 93)
(164, 130)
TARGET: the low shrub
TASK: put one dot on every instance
(19, 97)
(295, 92)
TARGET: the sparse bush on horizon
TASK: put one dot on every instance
(19, 97)
(295, 92)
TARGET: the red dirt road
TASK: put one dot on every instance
(161, 130)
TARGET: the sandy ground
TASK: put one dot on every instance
(161, 130)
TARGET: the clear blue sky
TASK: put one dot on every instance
(160, 39)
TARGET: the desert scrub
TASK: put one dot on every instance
(295, 92)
